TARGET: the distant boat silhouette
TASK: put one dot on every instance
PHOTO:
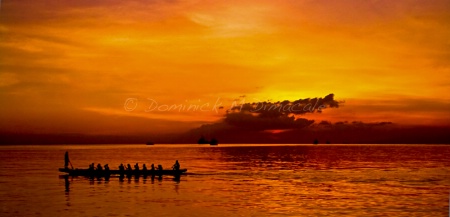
(316, 141)
(213, 142)
(202, 141)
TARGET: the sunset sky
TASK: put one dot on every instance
(101, 67)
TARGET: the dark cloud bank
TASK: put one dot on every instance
(282, 122)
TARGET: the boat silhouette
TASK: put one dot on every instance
(213, 142)
(104, 173)
(204, 141)
(316, 141)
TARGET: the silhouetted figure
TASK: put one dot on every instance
(129, 171)
(160, 171)
(136, 169)
(99, 167)
(67, 161)
(122, 172)
(107, 174)
(152, 169)
(144, 171)
(176, 166)
(91, 170)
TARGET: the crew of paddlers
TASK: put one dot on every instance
(104, 171)
(99, 167)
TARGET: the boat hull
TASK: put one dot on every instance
(94, 173)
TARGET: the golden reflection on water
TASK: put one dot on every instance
(231, 180)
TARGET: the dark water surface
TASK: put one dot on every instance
(231, 180)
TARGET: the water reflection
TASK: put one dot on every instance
(67, 190)
(129, 179)
(262, 158)
(67, 184)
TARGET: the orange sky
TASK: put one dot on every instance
(70, 66)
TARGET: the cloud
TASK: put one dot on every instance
(286, 107)
(248, 121)
(353, 125)
(261, 116)
(245, 123)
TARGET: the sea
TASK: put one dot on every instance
(230, 180)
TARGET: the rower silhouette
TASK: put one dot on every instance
(176, 166)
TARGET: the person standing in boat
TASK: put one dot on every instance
(176, 166)
(152, 167)
(160, 167)
(99, 167)
(91, 166)
(136, 167)
(67, 161)
(129, 167)
(106, 167)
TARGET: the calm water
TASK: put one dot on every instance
(267, 180)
